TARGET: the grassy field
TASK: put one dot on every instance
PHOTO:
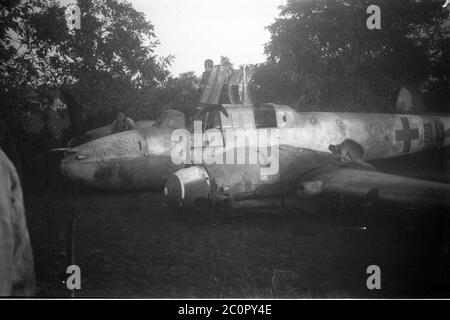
(133, 245)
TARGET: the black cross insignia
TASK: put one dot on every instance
(406, 135)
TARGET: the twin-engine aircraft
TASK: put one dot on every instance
(242, 153)
(235, 153)
(308, 153)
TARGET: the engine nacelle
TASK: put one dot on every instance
(186, 185)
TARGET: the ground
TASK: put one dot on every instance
(133, 245)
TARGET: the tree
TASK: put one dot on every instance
(109, 63)
(15, 68)
(182, 93)
(225, 61)
(322, 56)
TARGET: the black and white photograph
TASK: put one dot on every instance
(248, 150)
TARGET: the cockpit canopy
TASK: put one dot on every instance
(266, 115)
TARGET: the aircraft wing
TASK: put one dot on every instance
(373, 185)
(308, 172)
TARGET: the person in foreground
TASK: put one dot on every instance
(16, 257)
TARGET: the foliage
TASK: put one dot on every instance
(16, 99)
(182, 93)
(108, 62)
(15, 68)
(322, 56)
(225, 61)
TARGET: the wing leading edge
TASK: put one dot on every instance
(374, 185)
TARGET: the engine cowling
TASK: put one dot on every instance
(186, 185)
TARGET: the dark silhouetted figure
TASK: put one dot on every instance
(55, 123)
(77, 119)
(16, 257)
(122, 123)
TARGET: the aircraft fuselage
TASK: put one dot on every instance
(143, 159)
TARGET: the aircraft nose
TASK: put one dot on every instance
(67, 169)
(78, 166)
(186, 185)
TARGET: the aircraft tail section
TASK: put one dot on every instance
(409, 101)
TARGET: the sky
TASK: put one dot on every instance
(195, 30)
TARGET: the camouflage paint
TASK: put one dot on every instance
(140, 159)
(305, 139)
(130, 160)
(380, 135)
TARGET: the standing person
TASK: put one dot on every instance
(54, 126)
(209, 65)
(77, 119)
(54, 121)
(16, 258)
(122, 123)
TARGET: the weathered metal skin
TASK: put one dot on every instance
(240, 182)
(304, 141)
(141, 159)
(243, 185)
(244, 181)
(380, 135)
(132, 160)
